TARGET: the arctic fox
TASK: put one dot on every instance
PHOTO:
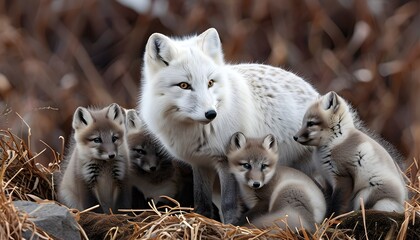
(96, 171)
(356, 165)
(194, 102)
(270, 192)
(153, 172)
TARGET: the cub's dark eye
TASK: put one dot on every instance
(211, 83)
(114, 138)
(184, 85)
(264, 166)
(96, 140)
(246, 165)
(140, 151)
(311, 123)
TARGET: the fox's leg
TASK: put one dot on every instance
(229, 188)
(138, 201)
(203, 186)
(383, 197)
(388, 205)
(124, 198)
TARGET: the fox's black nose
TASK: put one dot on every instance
(256, 184)
(111, 155)
(152, 169)
(295, 137)
(210, 115)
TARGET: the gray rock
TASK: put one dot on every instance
(57, 221)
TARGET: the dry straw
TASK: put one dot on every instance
(22, 178)
(18, 179)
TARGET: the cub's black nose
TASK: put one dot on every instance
(296, 138)
(111, 155)
(256, 184)
(152, 169)
(210, 115)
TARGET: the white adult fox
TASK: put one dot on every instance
(194, 102)
(356, 166)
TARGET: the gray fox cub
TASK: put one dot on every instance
(97, 165)
(273, 192)
(356, 166)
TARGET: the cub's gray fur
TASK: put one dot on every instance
(97, 165)
(356, 166)
(273, 194)
(153, 172)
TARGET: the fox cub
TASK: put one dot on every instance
(97, 166)
(153, 172)
(357, 167)
(194, 102)
(272, 192)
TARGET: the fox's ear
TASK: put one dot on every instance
(159, 50)
(237, 142)
(115, 113)
(330, 101)
(81, 118)
(270, 143)
(209, 42)
(133, 120)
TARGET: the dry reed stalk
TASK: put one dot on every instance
(13, 222)
(24, 176)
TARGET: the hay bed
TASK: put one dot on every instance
(24, 179)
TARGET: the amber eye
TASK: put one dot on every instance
(211, 83)
(184, 85)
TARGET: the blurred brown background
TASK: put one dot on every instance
(56, 55)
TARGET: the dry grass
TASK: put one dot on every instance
(25, 178)
(20, 174)
(19, 180)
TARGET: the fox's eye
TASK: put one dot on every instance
(311, 123)
(246, 165)
(140, 151)
(184, 85)
(264, 166)
(211, 83)
(96, 140)
(114, 138)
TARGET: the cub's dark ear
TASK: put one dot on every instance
(211, 45)
(81, 118)
(237, 142)
(331, 101)
(133, 121)
(116, 113)
(269, 143)
(159, 50)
